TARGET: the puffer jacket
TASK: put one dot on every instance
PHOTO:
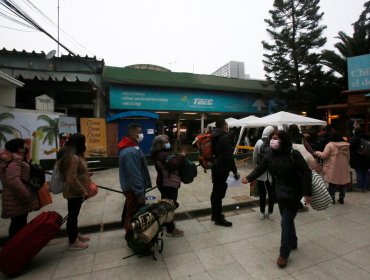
(167, 173)
(257, 150)
(223, 151)
(17, 197)
(77, 178)
(289, 170)
(336, 163)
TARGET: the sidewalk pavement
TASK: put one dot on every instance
(333, 244)
(104, 210)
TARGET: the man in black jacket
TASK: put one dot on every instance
(224, 163)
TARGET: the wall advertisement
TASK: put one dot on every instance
(96, 141)
(359, 72)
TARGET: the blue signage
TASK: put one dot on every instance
(157, 99)
(359, 72)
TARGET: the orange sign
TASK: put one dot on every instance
(96, 141)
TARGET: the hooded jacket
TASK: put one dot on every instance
(257, 150)
(223, 151)
(17, 197)
(133, 170)
(336, 157)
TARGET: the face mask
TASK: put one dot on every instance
(167, 146)
(274, 144)
(140, 137)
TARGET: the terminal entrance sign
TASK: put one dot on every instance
(154, 99)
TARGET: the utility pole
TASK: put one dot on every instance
(58, 29)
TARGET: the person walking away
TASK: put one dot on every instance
(133, 174)
(336, 156)
(18, 199)
(73, 169)
(168, 177)
(223, 163)
(360, 163)
(292, 180)
(264, 182)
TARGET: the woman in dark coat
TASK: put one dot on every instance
(359, 162)
(168, 177)
(292, 180)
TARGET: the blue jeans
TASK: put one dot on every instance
(288, 234)
(363, 180)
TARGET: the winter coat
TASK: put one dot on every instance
(257, 150)
(77, 178)
(336, 163)
(17, 198)
(223, 151)
(357, 161)
(133, 171)
(167, 172)
(288, 170)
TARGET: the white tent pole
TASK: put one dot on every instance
(240, 136)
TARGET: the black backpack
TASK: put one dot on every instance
(188, 170)
(37, 176)
(264, 149)
(364, 148)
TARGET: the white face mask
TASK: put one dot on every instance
(140, 137)
(167, 146)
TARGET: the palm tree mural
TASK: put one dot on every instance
(51, 130)
(6, 129)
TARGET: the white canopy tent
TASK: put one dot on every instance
(282, 119)
(279, 120)
(241, 122)
(228, 121)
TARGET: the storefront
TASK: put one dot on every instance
(184, 102)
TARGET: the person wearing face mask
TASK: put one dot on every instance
(17, 198)
(291, 178)
(168, 177)
(133, 174)
(223, 163)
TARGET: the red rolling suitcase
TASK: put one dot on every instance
(23, 246)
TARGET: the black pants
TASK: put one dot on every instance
(169, 193)
(265, 187)
(74, 206)
(16, 224)
(219, 178)
(288, 233)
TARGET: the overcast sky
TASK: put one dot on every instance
(184, 35)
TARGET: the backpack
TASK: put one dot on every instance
(204, 144)
(37, 176)
(364, 148)
(150, 216)
(188, 170)
(264, 149)
(56, 182)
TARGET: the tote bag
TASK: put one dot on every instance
(321, 198)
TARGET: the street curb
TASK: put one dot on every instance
(180, 216)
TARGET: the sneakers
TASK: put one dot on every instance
(261, 216)
(83, 238)
(281, 262)
(269, 216)
(224, 223)
(176, 233)
(78, 245)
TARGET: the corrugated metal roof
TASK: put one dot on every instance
(130, 76)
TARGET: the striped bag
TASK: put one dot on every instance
(321, 198)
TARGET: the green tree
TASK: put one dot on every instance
(296, 34)
(6, 129)
(51, 131)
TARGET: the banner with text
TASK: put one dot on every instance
(359, 72)
(94, 130)
(154, 99)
